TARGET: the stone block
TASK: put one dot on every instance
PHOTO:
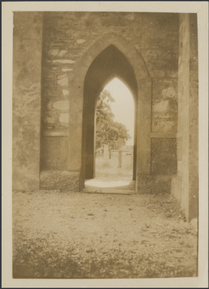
(63, 80)
(151, 184)
(164, 156)
(67, 69)
(49, 120)
(53, 52)
(61, 105)
(80, 41)
(165, 89)
(163, 125)
(62, 53)
(165, 105)
(161, 106)
(59, 180)
(64, 118)
(54, 153)
(65, 92)
(161, 185)
(63, 61)
(160, 60)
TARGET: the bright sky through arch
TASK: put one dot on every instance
(123, 107)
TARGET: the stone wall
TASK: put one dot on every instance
(193, 120)
(67, 37)
(53, 52)
(27, 57)
(185, 184)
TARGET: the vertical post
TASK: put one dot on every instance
(105, 152)
(119, 159)
(109, 147)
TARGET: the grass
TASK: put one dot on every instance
(110, 167)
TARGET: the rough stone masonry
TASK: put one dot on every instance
(62, 60)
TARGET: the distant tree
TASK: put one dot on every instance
(107, 130)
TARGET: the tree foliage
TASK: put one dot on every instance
(107, 130)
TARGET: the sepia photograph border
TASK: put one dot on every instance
(201, 8)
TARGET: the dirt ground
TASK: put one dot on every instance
(105, 167)
(84, 235)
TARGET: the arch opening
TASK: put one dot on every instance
(114, 134)
(110, 64)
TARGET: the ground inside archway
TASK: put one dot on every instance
(113, 173)
(110, 185)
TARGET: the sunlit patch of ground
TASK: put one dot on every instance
(108, 182)
(83, 235)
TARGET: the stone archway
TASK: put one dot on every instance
(109, 63)
(139, 82)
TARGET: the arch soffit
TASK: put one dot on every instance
(125, 47)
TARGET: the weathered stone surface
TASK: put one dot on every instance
(169, 92)
(62, 80)
(160, 61)
(161, 106)
(65, 92)
(164, 156)
(49, 120)
(54, 152)
(140, 48)
(80, 41)
(193, 117)
(60, 76)
(155, 41)
(165, 88)
(27, 47)
(62, 53)
(164, 105)
(164, 125)
(176, 186)
(61, 180)
(65, 61)
(143, 127)
(61, 105)
(149, 184)
(185, 185)
(54, 52)
(64, 117)
(50, 105)
(67, 69)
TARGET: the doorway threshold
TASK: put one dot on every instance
(110, 186)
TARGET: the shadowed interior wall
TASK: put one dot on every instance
(185, 184)
(27, 57)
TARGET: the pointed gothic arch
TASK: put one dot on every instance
(89, 78)
(110, 62)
